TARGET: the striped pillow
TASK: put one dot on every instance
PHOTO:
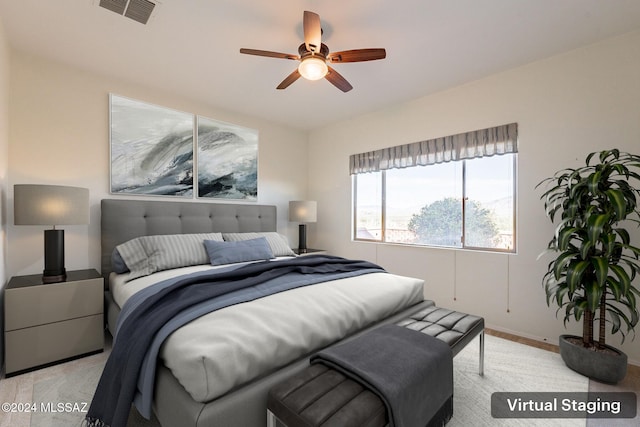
(279, 243)
(147, 254)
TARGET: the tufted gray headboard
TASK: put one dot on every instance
(123, 220)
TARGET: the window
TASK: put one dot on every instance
(368, 206)
(465, 203)
(409, 192)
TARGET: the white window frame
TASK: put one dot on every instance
(512, 249)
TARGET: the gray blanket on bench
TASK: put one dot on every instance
(411, 372)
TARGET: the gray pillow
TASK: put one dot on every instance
(117, 263)
(278, 243)
(240, 251)
(147, 254)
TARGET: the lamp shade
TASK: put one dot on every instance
(303, 211)
(50, 205)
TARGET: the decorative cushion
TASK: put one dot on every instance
(278, 243)
(117, 263)
(240, 251)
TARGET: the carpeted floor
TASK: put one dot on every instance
(509, 367)
(76, 387)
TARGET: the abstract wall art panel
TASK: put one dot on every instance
(227, 161)
(151, 149)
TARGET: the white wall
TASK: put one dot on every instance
(60, 135)
(4, 165)
(565, 106)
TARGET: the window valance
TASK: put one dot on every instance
(480, 143)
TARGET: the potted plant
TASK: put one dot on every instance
(592, 275)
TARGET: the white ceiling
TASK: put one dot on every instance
(191, 47)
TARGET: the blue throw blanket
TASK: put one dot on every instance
(117, 386)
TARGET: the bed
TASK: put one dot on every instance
(244, 403)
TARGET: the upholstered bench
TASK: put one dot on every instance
(453, 327)
(321, 396)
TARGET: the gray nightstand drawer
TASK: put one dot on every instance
(29, 347)
(38, 305)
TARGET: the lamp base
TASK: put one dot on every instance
(53, 279)
(302, 238)
(54, 270)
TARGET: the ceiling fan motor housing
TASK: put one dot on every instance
(304, 53)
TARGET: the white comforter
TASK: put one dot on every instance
(229, 347)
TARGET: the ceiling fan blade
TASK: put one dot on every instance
(269, 54)
(338, 81)
(312, 31)
(289, 79)
(357, 55)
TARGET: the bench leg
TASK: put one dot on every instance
(271, 419)
(481, 367)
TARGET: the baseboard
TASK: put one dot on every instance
(633, 365)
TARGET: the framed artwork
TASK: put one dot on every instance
(151, 149)
(227, 161)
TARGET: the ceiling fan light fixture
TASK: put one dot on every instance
(313, 68)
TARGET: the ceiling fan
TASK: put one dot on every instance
(313, 56)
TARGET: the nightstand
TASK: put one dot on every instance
(47, 323)
(310, 252)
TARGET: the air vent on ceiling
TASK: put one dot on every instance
(138, 10)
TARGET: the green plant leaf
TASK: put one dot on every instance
(575, 271)
(593, 292)
(561, 262)
(596, 224)
(624, 235)
(576, 190)
(621, 170)
(587, 245)
(615, 322)
(609, 242)
(635, 318)
(631, 303)
(607, 153)
(632, 174)
(618, 202)
(635, 250)
(593, 182)
(629, 322)
(614, 288)
(565, 235)
(573, 209)
(623, 277)
(561, 292)
(601, 267)
(577, 308)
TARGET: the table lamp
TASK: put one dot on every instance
(303, 212)
(51, 205)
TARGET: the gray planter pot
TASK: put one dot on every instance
(600, 366)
